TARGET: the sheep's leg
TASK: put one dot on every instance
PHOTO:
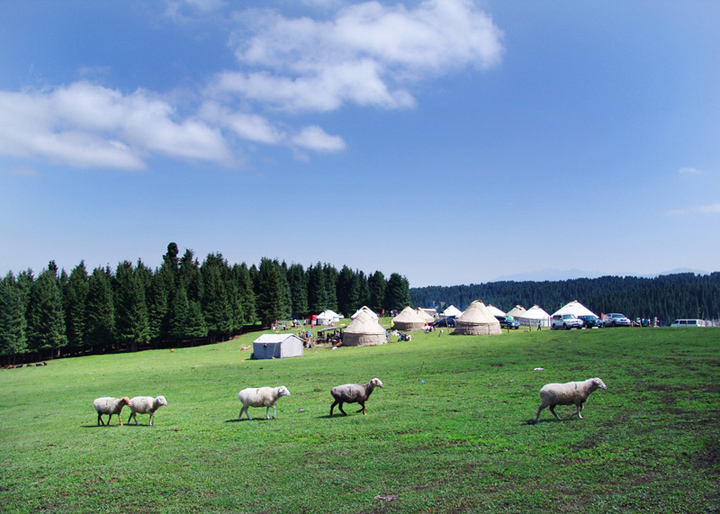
(241, 411)
(341, 409)
(538, 413)
(579, 408)
(120, 419)
(362, 408)
(267, 412)
(152, 419)
(333, 406)
(100, 421)
(274, 416)
(552, 409)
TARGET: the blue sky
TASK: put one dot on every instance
(451, 141)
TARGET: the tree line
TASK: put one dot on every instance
(667, 297)
(182, 301)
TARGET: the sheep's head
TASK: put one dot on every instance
(161, 400)
(599, 384)
(125, 400)
(376, 382)
(284, 391)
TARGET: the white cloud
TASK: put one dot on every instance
(251, 127)
(689, 171)
(368, 54)
(713, 208)
(85, 125)
(315, 138)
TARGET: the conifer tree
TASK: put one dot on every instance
(131, 314)
(13, 325)
(100, 311)
(377, 286)
(75, 295)
(317, 292)
(46, 319)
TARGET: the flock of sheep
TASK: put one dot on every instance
(551, 395)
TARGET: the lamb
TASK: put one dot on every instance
(145, 405)
(567, 394)
(352, 393)
(261, 397)
(109, 405)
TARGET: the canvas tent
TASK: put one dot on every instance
(408, 319)
(366, 309)
(425, 315)
(517, 311)
(364, 331)
(277, 346)
(451, 311)
(495, 311)
(533, 316)
(327, 317)
(575, 308)
(477, 320)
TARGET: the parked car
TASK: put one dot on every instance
(566, 322)
(591, 321)
(615, 319)
(445, 322)
(507, 322)
(688, 323)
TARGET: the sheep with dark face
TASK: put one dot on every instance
(109, 405)
(567, 394)
(353, 393)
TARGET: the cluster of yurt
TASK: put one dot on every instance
(364, 330)
(408, 319)
(477, 320)
(534, 316)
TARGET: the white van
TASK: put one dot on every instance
(688, 323)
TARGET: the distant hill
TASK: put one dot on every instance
(677, 295)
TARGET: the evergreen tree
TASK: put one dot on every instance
(297, 280)
(13, 325)
(247, 294)
(75, 296)
(46, 319)
(347, 292)
(100, 311)
(317, 292)
(216, 306)
(271, 300)
(331, 279)
(397, 293)
(377, 286)
(363, 290)
(131, 314)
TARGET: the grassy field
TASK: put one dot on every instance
(459, 442)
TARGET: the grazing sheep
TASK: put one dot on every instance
(261, 397)
(567, 394)
(352, 393)
(145, 405)
(109, 405)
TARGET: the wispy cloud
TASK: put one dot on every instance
(689, 171)
(367, 54)
(697, 210)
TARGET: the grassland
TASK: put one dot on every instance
(459, 442)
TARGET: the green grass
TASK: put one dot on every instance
(460, 442)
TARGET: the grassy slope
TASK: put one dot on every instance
(460, 442)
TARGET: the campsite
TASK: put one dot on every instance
(449, 432)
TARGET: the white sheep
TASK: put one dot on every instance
(567, 394)
(353, 393)
(261, 397)
(110, 405)
(145, 405)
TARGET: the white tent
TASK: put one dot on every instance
(495, 311)
(451, 311)
(533, 316)
(364, 331)
(517, 311)
(575, 308)
(477, 320)
(408, 319)
(278, 346)
(425, 315)
(367, 310)
(327, 317)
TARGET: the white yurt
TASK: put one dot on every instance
(278, 346)
(367, 310)
(408, 319)
(517, 311)
(575, 308)
(533, 316)
(495, 311)
(364, 331)
(425, 315)
(451, 311)
(477, 320)
(327, 317)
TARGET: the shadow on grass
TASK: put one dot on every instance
(236, 420)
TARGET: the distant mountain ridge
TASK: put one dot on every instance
(553, 274)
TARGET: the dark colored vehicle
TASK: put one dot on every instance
(507, 323)
(591, 321)
(445, 322)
